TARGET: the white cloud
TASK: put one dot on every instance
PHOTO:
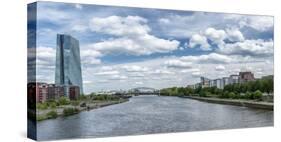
(90, 57)
(105, 73)
(248, 47)
(220, 68)
(208, 58)
(79, 28)
(78, 6)
(87, 82)
(135, 68)
(199, 40)
(196, 74)
(136, 74)
(161, 72)
(260, 23)
(234, 35)
(132, 36)
(190, 70)
(139, 82)
(177, 64)
(164, 21)
(184, 26)
(106, 68)
(53, 14)
(120, 26)
(45, 57)
(216, 36)
(118, 77)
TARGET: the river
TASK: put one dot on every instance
(153, 114)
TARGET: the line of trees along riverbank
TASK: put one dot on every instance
(252, 90)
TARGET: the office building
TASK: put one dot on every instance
(68, 63)
(246, 76)
(41, 92)
(55, 91)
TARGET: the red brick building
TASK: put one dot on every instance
(41, 92)
(55, 92)
(246, 76)
(74, 92)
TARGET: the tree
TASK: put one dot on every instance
(63, 101)
(202, 94)
(257, 95)
(231, 95)
(181, 91)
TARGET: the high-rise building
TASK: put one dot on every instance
(234, 79)
(219, 83)
(226, 81)
(205, 82)
(68, 63)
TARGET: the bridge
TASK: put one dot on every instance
(144, 91)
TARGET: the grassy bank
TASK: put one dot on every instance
(64, 107)
(237, 102)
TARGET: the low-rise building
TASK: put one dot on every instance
(41, 92)
(205, 82)
(74, 92)
(219, 83)
(55, 91)
(225, 81)
(246, 76)
(234, 79)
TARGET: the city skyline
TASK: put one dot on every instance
(133, 47)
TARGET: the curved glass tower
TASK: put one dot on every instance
(68, 63)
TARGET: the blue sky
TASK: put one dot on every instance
(123, 48)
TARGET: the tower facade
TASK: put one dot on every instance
(68, 63)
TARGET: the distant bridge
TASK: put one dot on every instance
(144, 91)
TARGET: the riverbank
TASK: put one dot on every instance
(237, 102)
(60, 111)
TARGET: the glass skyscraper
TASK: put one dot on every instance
(68, 63)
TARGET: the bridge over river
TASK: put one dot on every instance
(147, 114)
(143, 91)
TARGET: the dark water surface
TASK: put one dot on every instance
(153, 114)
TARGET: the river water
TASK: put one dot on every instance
(153, 114)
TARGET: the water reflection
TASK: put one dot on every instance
(153, 114)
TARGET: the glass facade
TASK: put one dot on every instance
(68, 63)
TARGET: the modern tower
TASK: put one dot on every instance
(68, 63)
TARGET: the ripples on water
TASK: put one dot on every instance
(153, 114)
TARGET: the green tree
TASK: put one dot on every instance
(63, 101)
(231, 95)
(257, 95)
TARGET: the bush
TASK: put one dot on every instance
(248, 95)
(52, 105)
(257, 95)
(42, 106)
(202, 94)
(63, 101)
(231, 95)
(70, 111)
(52, 114)
(75, 103)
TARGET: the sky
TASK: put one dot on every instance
(124, 48)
